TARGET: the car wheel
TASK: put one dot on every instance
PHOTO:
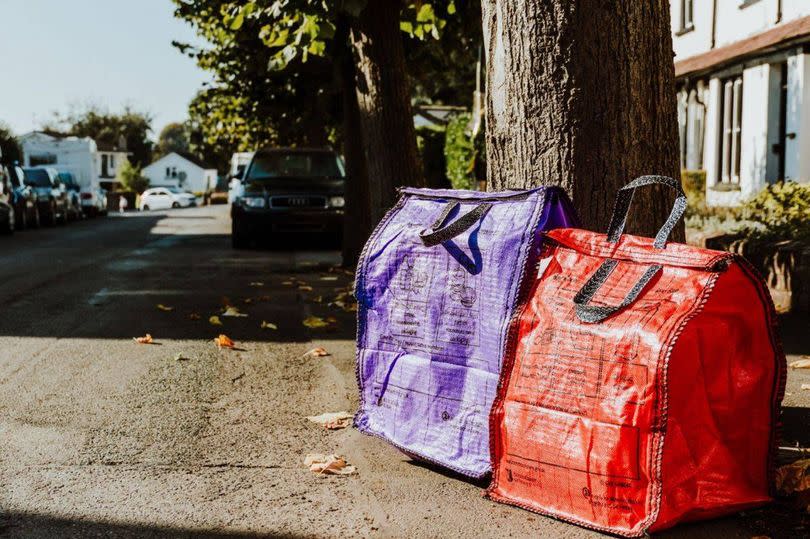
(64, 216)
(50, 218)
(145, 207)
(8, 227)
(239, 237)
(36, 221)
(23, 220)
(175, 205)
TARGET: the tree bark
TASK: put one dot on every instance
(581, 94)
(384, 100)
(357, 220)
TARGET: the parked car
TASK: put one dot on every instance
(289, 190)
(161, 198)
(94, 200)
(73, 194)
(7, 221)
(24, 200)
(51, 194)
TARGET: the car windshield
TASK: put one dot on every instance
(66, 178)
(296, 164)
(175, 190)
(37, 177)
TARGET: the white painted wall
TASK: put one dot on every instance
(197, 179)
(793, 9)
(754, 143)
(697, 40)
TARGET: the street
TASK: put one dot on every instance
(102, 436)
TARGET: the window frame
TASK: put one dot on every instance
(730, 130)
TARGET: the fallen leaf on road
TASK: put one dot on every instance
(793, 478)
(215, 321)
(287, 283)
(332, 420)
(805, 386)
(331, 319)
(146, 339)
(268, 325)
(194, 316)
(329, 278)
(248, 300)
(328, 464)
(800, 364)
(181, 357)
(305, 288)
(223, 341)
(318, 299)
(234, 312)
(317, 352)
(257, 284)
(315, 322)
(164, 308)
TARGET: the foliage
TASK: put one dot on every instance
(9, 146)
(779, 212)
(173, 138)
(460, 153)
(128, 129)
(694, 185)
(131, 179)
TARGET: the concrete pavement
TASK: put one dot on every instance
(100, 436)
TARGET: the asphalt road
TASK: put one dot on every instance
(104, 437)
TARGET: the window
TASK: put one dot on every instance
(745, 3)
(112, 162)
(731, 132)
(42, 159)
(687, 13)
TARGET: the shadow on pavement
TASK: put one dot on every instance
(32, 525)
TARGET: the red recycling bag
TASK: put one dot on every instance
(642, 385)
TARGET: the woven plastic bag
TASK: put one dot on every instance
(436, 287)
(642, 383)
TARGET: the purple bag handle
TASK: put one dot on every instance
(437, 234)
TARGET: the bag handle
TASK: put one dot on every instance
(625, 196)
(437, 234)
(598, 313)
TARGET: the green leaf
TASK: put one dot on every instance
(451, 8)
(425, 13)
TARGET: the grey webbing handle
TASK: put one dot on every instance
(625, 196)
(598, 313)
(437, 234)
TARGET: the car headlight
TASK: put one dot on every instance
(337, 202)
(253, 202)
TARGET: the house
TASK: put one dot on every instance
(743, 74)
(91, 163)
(240, 161)
(182, 170)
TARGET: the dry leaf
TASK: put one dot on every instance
(181, 357)
(315, 322)
(248, 300)
(317, 352)
(305, 288)
(223, 341)
(164, 308)
(805, 386)
(333, 420)
(328, 464)
(215, 321)
(329, 278)
(234, 312)
(318, 299)
(287, 283)
(793, 478)
(800, 364)
(331, 319)
(268, 325)
(146, 339)
(194, 316)
(257, 284)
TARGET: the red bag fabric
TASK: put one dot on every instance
(628, 417)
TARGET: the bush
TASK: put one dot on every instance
(460, 153)
(131, 179)
(780, 212)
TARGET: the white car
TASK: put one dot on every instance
(161, 198)
(94, 200)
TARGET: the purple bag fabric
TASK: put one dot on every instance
(436, 287)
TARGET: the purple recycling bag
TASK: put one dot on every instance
(436, 288)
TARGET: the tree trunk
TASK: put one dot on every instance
(357, 221)
(384, 100)
(581, 94)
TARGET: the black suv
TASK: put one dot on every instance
(51, 195)
(289, 190)
(24, 199)
(73, 192)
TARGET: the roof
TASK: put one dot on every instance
(778, 37)
(191, 158)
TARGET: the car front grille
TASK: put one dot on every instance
(298, 201)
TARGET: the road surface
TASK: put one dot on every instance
(101, 436)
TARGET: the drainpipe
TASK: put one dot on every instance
(778, 11)
(714, 23)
